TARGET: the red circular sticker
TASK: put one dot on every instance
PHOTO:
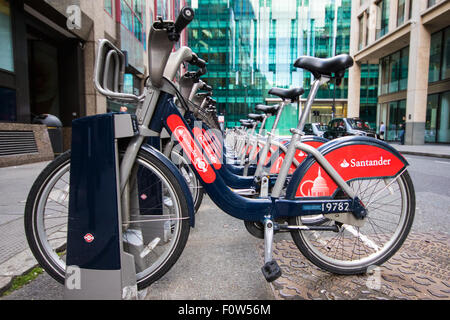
(88, 238)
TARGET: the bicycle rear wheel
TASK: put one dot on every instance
(154, 235)
(390, 204)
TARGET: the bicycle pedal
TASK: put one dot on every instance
(271, 271)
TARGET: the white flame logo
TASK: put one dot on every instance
(344, 164)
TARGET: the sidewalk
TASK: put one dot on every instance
(427, 150)
(15, 256)
(15, 183)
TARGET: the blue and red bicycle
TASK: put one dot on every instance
(359, 186)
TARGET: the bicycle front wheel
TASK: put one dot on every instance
(390, 204)
(155, 233)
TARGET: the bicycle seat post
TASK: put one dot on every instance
(266, 148)
(247, 144)
(296, 137)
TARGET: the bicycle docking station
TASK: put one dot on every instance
(97, 266)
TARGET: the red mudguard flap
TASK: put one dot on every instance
(299, 155)
(351, 162)
(191, 149)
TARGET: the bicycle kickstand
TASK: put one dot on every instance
(270, 270)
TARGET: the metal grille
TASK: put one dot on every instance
(17, 142)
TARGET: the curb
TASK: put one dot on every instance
(425, 154)
(20, 264)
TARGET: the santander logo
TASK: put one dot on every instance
(365, 163)
(183, 136)
(344, 164)
(196, 159)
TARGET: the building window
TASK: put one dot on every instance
(162, 9)
(133, 18)
(6, 53)
(431, 3)
(8, 108)
(384, 79)
(410, 9)
(382, 18)
(439, 56)
(368, 93)
(403, 69)
(394, 64)
(361, 43)
(437, 125)
(396, 120)
(401, 12)
(394, 72)
(445, 69)
(108, 6)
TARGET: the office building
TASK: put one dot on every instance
(409, 40)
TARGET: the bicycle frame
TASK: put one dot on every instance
(158, 110)
(167, 115)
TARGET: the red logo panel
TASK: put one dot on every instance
(189, 146)
(299, 156)
(351, 162)
(215, 160)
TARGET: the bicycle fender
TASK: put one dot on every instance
(353, 158)
(184, 186)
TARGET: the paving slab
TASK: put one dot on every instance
(420, 270)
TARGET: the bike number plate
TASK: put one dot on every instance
(325, 207)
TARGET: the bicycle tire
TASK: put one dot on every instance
(320, 259)
(56, 268)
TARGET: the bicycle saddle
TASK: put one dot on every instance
(272, 110)
(291, 94)
(325, 66)
(246, 123)
(256, 116)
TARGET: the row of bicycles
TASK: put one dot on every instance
(348, 203)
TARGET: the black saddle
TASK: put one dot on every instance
(325, 66)
(247, 123)
(291, 94)
(256, 116)
(269, 110)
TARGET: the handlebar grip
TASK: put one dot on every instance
(196, 61)
(184, 18)
(206, 87)
(200, 63)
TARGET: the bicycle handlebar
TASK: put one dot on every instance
(184, 18)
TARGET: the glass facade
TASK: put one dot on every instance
(440, 56)
(108, 6)
(251, 45)
(8, 108)
(393, 115)
(6, 53)
(361, 43)
(382, 18)
(394, 72)
(369, 93)
(401, 6)
(132, 17)
(437, 125)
